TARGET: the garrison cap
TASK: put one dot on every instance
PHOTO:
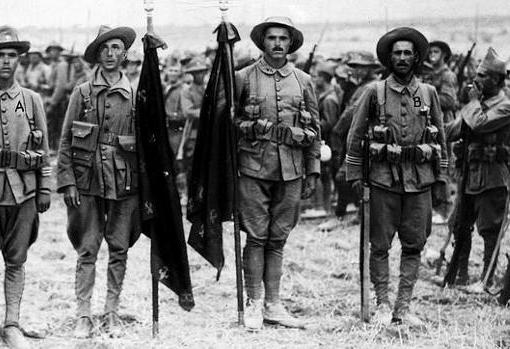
(386, 42)
(257, 33)
(9, 39)
(105, 33)
(492, 63)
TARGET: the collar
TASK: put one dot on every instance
(396, 86)
(264, 67)
(123, 87)
(491, 102)
(13, 91)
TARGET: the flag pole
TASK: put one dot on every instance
(149, 8)
(223, 5)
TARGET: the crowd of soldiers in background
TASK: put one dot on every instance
(53, 72)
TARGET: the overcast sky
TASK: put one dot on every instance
(63, 13)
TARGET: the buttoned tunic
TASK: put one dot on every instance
(279, 95)
(403, 104)
(109, 170)
(22, 113)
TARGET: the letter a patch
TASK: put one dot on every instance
(19, 106)
(417, 102)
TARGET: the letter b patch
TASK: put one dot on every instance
(417, 102)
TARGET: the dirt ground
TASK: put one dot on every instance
(320, 284)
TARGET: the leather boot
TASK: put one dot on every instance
(409, 266)
(14, 338)
(83, 327)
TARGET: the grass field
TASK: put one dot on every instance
(320, 284)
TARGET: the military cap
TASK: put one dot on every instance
(385, 44)
(326, 67)
(35, 51)
(9, 39)
(444, 47)
(195, 65)
(257, 33)
(134, 56)
(54, 44)
(105, 33)
(362, 58)
(492, 63)
(343, 71)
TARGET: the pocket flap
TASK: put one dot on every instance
(297, 134)
(81, 157)
(127, 143)
(82, 129)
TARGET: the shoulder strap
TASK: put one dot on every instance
(86, 92)
(381, 100)
(29, 113)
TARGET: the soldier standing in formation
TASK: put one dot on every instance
(407, 144)
(38, 73)
(445, 82)
(485, 124)
(97, 173)
(24, 177)
(279, 143)
(191, 102)
(329, 112)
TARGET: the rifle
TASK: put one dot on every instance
(364, 245)
(309, 61)
(462, 66)
(457, 229)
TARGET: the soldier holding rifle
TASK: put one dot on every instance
(407, 154)
(487, 120)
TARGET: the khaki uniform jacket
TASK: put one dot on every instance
(445, 82)
(276, 96)
(403, 103)
(18, 106)
(95, 155)
(489, 122)
(329, 112)
(58, 81)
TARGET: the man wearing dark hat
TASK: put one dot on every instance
(97, 173)
(363, 65)
(445, 82)
(279, 144)
(407, 153)
(485, 124)
(191, 102)
(24, 177)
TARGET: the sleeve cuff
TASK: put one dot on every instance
(354, 167)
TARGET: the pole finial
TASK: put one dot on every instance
(148, 6)
(223, 4)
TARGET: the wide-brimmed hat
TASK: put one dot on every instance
(362, 58)
(9, 39)
(54, 44)
(195, 65)
(492, 63)
(257, 33)
(105, 33)
(444, 47)
(35, 51)
(385, 44)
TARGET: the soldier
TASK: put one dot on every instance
(445, 82)
(487, 119)
(279, 144)
(191, 102)
(55, 104)
(175, 122)
(132, 68)
(97, 173)
(363, 66)
(38, 73)
(24, 177)
(407, 151)
(329, 111)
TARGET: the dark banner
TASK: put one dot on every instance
(159, 199)
(211, 189)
